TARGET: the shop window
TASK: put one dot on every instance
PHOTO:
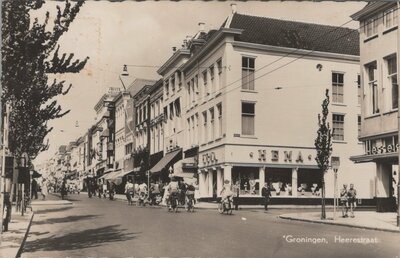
(337, 87)
(279, 181)
(248, 68)
(248, 179)
(309, 182)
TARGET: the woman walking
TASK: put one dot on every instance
(44, 189)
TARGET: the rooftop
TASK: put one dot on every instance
(293, 34)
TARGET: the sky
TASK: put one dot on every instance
(112, 34)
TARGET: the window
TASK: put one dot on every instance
(166, 83)
(248, 73)
(196, 88)
(371, 27)
(179, 78)
(205, 83)
(173, 84)
(392, 76)
(219, 110)
(359, 89)
(373, 87)
(359, 124)
(212, 124)
(248, 114)
(337, 87)
(219, 66)
(338, 127)
(205, 127)
(390, 18)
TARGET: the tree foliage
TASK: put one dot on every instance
(30, 52)
(323, 145)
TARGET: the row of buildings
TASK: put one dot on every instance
(241, 102)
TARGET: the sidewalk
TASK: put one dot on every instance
(363, 219)
(13, 240)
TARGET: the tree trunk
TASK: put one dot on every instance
(323, 213)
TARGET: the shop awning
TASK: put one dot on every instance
(165, 161)
(371, 158)
(105, 175)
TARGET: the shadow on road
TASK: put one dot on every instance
(44, 211)
(65, 219)
(78, 240)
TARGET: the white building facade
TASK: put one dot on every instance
(254, 117)
(379, 48)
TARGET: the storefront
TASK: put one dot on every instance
(161, 170)
(290, 172)
(384, 153)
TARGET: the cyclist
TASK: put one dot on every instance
(129, 190)
(190, 193)
(173, 189)
(226, 192)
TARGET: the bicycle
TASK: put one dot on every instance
(189, 205)
(225, 206)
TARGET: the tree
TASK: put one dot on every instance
(29, 53)
(323, 145)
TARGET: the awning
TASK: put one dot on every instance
(165, 161)
(105, 175)
(372, 158)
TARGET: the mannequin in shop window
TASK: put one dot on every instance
(288, 189)
(314, 188)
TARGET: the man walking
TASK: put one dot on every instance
(266, 192)
(352, 197)
(344, 201)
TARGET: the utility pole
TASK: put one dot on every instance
(3, 166)
(398, 117)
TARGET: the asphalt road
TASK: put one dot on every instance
(102, 228)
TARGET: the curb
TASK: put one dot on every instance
(337, 224)
(25, 237)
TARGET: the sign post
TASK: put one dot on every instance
(335, 162)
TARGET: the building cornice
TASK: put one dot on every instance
(211, 43)
(371, 9)
(172, 60)
(296, 52)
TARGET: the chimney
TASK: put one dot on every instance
(233, 6)
(201, 27)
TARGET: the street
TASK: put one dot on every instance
(103, 228)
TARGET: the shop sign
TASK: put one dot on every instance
(287, 156)
(209, 158)
(383, 149)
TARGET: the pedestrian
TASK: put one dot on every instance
(344, 201)
(236, 190)
(34, 189)
(266, 192)
(352, 199)
(44, 189)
